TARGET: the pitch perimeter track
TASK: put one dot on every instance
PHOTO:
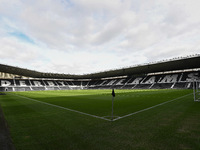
(103, 118)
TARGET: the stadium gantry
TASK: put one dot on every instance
(174, 73)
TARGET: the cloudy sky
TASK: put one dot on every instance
(87, 36)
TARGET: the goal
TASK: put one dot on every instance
(196, 90)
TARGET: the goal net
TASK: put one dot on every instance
(196, 90)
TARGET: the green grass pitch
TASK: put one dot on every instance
(80, 119)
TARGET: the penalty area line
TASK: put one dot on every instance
(151, 107)
(72, 110)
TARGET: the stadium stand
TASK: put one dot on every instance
(175, 73)
(173, 80)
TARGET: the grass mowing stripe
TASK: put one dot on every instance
(151, 107)
(104, 118)
(61, 107)
(175, 125)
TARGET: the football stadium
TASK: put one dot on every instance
(148, 106)
(99, 75)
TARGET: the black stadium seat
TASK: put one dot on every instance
(153, 81)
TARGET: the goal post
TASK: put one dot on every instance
(196, 90)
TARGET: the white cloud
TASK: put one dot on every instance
(83, 36)
(17, 51)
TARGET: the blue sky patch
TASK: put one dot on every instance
(21, 36)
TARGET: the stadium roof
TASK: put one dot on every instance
(161, 66)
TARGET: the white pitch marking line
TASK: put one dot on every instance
(102, 117)
(150, 107)
(62, 107)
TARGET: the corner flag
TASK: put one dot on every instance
(113, 93)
